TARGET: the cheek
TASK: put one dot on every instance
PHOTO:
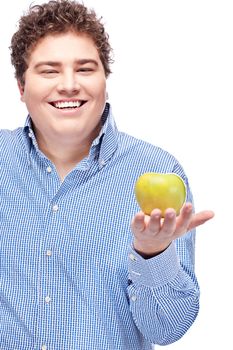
(101, 95)
(32, 99)
(37, 88)
(33, 95)
(97, 87)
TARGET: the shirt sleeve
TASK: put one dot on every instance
(163, 294)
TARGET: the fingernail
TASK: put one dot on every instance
(171, 215)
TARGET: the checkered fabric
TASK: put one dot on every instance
(70, 279)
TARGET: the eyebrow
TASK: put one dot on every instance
(56, 63)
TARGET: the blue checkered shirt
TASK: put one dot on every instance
(70, 279)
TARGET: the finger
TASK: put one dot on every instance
(169, 223)
(184, 219)
(200, 218)
(154, 224)
(138, 223)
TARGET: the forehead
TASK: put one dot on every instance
(64, 46)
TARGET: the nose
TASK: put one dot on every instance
(68, 83)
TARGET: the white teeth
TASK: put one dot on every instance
(67, 104)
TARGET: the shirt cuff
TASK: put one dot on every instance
(154, 272)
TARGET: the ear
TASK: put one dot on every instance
(21, 90)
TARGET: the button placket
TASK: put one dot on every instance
(48, 269)
(48, 254)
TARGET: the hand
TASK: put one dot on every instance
(153, 234)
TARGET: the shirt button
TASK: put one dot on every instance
(49, 169)
(132, 257)
(47, 299)
(133, 298)
(44, 347)
(55, 208)
(49, 252)
(101, 162)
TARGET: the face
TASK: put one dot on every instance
(65, 89)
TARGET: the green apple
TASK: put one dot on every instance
(161, 191)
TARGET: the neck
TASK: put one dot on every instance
(64, 154)
(66, 159)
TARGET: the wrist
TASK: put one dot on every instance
(147, 253)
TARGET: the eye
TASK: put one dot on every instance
(85, 70)
(49, 71)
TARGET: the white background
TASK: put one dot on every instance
(171, 85)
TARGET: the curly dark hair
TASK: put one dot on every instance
(54, 17)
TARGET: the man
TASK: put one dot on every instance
(75, 273)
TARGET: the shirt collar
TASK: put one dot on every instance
(107, 138)
(103, 146)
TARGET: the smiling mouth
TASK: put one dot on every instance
(67, 104)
